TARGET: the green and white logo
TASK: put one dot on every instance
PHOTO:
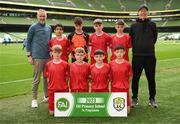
(90, 104)
(62, 104)
(119, 103)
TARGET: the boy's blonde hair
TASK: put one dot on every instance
(57, 48)
(80, 50)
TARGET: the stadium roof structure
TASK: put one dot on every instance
(103, 5)
(23, 12)
(31, 8)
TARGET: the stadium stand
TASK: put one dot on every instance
(65, 3)
(38, 2)
(22, 13)
(19, 1)
(109, 5)
(20, 20)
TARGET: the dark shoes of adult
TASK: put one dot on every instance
(134, 103)
(153, 103)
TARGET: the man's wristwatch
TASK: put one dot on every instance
(28, 55)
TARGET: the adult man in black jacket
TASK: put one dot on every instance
(144, 36)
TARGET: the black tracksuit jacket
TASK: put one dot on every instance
(144, 35)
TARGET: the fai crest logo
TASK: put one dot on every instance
(62, 104)
(119, 103)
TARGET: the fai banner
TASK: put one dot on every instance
(90, 104)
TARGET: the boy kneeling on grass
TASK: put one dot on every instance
(56, 72)
(121, 73)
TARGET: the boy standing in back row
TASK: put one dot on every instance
(78, 38)
(120, 38)
(59, 39)
(99, 40)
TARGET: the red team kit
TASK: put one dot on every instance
(64, 77)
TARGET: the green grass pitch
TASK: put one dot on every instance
(15, 91)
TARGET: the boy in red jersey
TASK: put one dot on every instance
(60, 40)
(79, 72)
(99, 40)
(121, 72)
(99, 73)
(56, 71)
(78, 38)
(120, 39)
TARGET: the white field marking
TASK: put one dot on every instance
(13, 64)
(164, 60)
(19, 53)
(27, 63)
(18, 56)
(170, 43)
(9, 82)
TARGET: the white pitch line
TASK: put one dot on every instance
(27, 63)
(164, 60)
(14, 64)
(4, 52)
(9, 82)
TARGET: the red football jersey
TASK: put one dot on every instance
(100, 77)
(99, 42)
(57, 74)
(120, 74)
(125, 40)
(79, 76)
(64, 42)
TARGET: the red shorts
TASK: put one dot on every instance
(93, 61)
(100, 90)
(123, 90)
(79, 90)
(51, 98)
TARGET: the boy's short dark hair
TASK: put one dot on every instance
(99, 52)
(57, 48)
(58, 25)
(78, 20)
(119, 22)
(119, 47)
(80, 50)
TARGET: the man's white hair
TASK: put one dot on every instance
(42, 11)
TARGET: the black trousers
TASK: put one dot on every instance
(148, 63)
